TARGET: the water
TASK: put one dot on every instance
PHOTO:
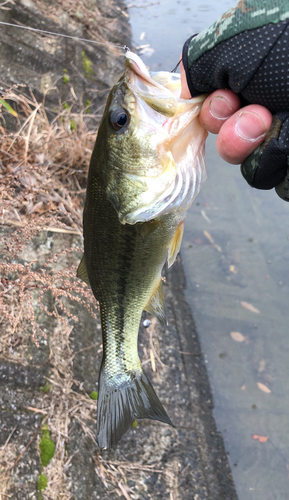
(236, 255)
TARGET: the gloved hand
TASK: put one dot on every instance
(247, 51)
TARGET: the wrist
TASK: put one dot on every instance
(185, 63)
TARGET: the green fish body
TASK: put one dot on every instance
(133, 222)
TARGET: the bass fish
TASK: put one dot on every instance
(146, 167)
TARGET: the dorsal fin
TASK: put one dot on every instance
(156, 304)
(82, 271)
(175, 244)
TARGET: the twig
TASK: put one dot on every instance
(27, 446)
(124, 491)
(9, 437)
(86, 348)
(154, 351)
(42, 228)
(36, 410)
(189, 353)
(32, 118)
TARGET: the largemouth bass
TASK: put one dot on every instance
(146, 168)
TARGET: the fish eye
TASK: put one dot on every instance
(119, 118)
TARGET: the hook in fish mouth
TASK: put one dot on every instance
(138, 67)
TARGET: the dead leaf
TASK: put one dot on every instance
(263, 387)
(237, 336)
(250, 307)
(261, 439)
(211, 240)
(205, 216)
(233, 269)
(243, 388)
(37, 410)
(262, 365)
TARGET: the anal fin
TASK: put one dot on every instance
(176, 243)
(156, 305)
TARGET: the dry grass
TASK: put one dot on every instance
(117, 474)
(8, 455)
(43, 167)
(60, 405)
(100, 19)
(43, 170)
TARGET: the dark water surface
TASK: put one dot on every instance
(236, 258)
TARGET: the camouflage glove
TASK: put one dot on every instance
(247, 51)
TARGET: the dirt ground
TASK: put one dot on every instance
(50, 342)
(152, 460)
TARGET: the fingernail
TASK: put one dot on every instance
(220, 108)
(250, 126)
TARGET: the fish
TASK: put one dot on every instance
(146, 168)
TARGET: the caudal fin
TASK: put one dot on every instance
(120, 403)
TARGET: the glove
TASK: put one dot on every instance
(247, 51)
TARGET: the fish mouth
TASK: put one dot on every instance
(137, 66)
(148, 88)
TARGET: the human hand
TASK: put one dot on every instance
(240, 130)
(246, 57)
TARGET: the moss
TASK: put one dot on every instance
(65, 105)
(65, 79)
(135, 424)
(93, 395)
(72, 124)
(47, 447)
(45, 388)
(86, 64)
(42, 482)
(87, 104)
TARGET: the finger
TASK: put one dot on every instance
(217, 108)
(243, 132)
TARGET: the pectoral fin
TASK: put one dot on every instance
(148, 228)
(156, 304)
(82, 271)
(176, 243)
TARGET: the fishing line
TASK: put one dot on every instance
(123, 47)
(176, 67)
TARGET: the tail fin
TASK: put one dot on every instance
(120, 403)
